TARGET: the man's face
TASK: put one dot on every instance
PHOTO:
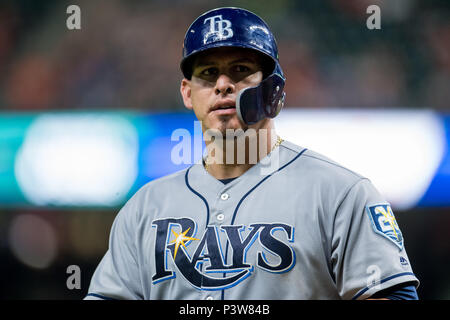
(218, 75)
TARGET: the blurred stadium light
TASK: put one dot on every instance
(399, 150)
(77, 159)
(99, 159)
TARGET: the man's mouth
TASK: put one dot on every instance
(226, 110)
(224, 105)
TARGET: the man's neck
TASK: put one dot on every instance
(232, 157)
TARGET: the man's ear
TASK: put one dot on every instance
(185, 90)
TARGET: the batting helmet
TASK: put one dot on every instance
(236, 27)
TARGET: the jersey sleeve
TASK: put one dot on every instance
(367, 250)
(399, 292)
(117, 275)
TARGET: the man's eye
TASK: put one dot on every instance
(241, 68)
(209, 72)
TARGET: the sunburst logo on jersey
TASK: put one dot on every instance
(180, 239)
(389, 218)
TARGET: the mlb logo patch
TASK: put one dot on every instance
(384, 223)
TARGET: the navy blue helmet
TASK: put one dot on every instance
(236, 27)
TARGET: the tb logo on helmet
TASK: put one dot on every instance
(219, 27)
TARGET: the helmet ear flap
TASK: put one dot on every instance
(278, 98)
(276, 105)
(280, 105)
(263, 101)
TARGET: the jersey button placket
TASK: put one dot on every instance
(222, 207)
(224, 196)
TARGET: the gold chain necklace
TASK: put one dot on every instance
(279, 141)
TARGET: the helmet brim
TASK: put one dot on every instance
(186, 64)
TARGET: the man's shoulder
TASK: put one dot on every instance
(154, 193)
(314, 165)
(168, 181)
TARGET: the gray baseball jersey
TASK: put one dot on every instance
(306, 228)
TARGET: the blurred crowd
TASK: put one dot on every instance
(127, 53)
(126, 56)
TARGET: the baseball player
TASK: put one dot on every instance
(291, 224)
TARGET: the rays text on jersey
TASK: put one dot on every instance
(213, 266)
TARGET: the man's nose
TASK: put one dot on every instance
(224, 85)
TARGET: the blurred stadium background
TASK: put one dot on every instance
(86, 118)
